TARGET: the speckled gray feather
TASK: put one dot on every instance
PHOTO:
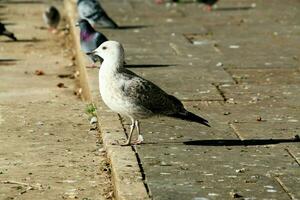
(150, 98)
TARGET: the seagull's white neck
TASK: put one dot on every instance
(112, 65)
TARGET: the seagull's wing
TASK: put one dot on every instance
(149, 96)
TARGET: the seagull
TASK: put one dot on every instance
(7, 33)
(128, 94)
(92, 11)
(51, 17)
(90, 39)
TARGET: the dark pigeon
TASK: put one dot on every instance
(90, 39)
(51, 17)
(92, 11)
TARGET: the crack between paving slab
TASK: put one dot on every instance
(236, 132)
(277, 179)
(138, 160)
(175, 48)
(220, 91)
(292, 155)
(201, 100)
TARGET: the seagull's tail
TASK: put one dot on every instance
(191, 117)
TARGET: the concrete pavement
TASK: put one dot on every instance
(238, 67)
(47, 147)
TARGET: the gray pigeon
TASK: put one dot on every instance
(131, 95)
(51, 17)
(6, 33)
(90, 39)
(92, 11)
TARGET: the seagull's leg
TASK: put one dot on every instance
(208, 8)
(130, 133)
(140, 137)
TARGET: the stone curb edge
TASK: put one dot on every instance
(126, 174)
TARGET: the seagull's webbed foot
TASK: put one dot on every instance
(126, 144)
(207, 8)
(139, 140)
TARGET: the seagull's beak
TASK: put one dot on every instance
(94, 55)
(90, 53)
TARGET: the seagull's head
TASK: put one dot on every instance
(110, 51)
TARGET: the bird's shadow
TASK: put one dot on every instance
(250, 142)
(8, 61)
(147, 65)
(233, 8)
(133, 27)
(22, 2)
(24, 40)
(123, 27)
(8, 23)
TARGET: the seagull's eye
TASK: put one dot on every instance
(104, 48)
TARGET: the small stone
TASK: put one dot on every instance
(93, 120)
(61, 85)
(163, 163)
(259, 119)
(235, 195)
(227, 113)
(231, 101)
(39, 72)
(76, 74)
(234, 46)
(40, 123)
(219, 64)
(240, 170)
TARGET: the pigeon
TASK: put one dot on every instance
(5, 32)
(51, 17)
(92, 11)
(90, 39)
(208, 3)
(128, 94)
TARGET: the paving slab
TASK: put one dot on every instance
(48, 150)
(238, 67)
